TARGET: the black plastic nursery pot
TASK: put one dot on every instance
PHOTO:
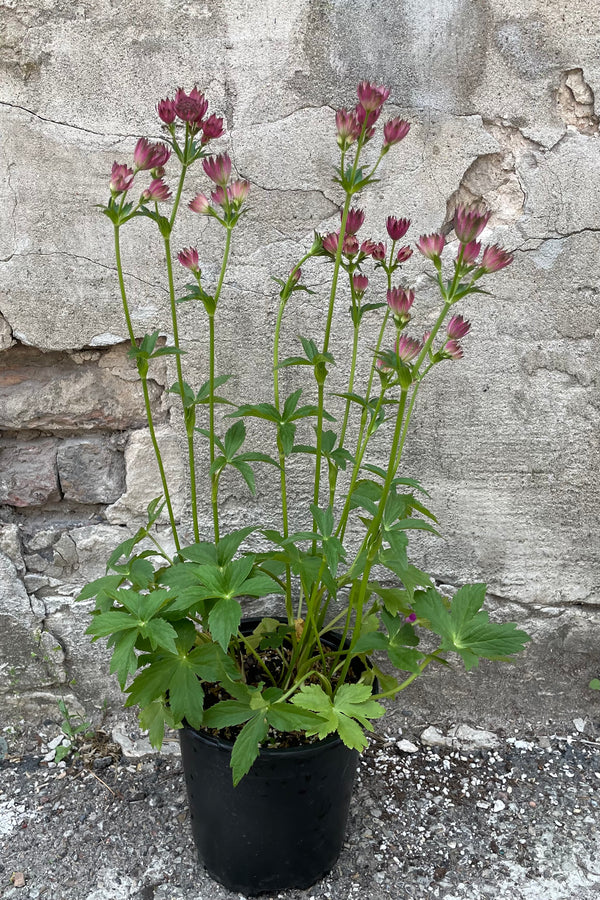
(284, 824)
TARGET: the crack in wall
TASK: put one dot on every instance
(575, 101)
(31, 112)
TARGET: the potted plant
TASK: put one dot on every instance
(272, 712)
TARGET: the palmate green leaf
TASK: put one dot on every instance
(351, 705)
(99, 587)
(224, 619)
(186, 697)
(467, 630)
(152, 719)
(211, 663)
(124, 660)
(110, 622)
(246, 748)
(227, 713)
(152, 682)
(160, 634)
(285, 717)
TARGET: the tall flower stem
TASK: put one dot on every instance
(211, 399)
(188, 423)
(161, 468)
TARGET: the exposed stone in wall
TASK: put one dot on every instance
(71, 392)
(575, 101)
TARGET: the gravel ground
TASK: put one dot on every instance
(487, 815)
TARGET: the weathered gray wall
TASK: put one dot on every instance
(501, 97)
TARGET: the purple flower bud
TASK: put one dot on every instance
(469, 222)
(150, 156)
(400, 303)
(200, 204)
(218, 168)
(189, 258)
(354, 221)
(404, 253)
(431, 245)
(166, 111)
(370, 96)
(452, 350)
(237, 193)
(360, 283)
(220, 197)
(121, 178)
(347, 127)
(397, 228)
(212, 128)
(470, 252)
(457, 327)
(495, 258)
(394, 131)
(157, 190)
(408, 348)
(330, 242)
(411, 617)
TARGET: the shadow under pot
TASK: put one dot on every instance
(284, 824)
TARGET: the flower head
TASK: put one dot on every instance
(457, 327)
(397, 228)
(451, 350)
(347, 127)
(157, 190)
(404, 253)
(220, 197)
(330, 242)
(431, 245)
(411, 617)
(200, 204)
(394, 131)
(354, 221)
(470, 252)
(360, 283)
(189, 258)
(469, 222)
(150, 156)
(167, 111)
(408, 348)
(237, 193)
(370, 96)
(495, 258)
(121, 178)
(218, 168)
(191, 107)
(400, 303)
(212, 128)
(370, 248)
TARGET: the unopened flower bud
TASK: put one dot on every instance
(495, 258)
(189, 258)
(200, 204)
(470, 252)
(404, 253)
(394, 131)
(400, 302)
(469, 222)
(121, 178)
(212, 128)
(157, 190)
(360, 283)
(397, 228)
(457, 327)
(408, 348)
(218, 168)
(355, 219)
(166, 111)
(431, 246)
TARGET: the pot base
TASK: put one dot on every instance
(283, 826)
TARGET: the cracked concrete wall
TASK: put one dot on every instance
(501, 97)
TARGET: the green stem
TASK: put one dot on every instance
(320, 402)
(214, 492)
(161, 467)
(180, 382)
(400, 687)
(149, 417)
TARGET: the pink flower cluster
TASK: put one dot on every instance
(229, 195)
(191, 109)
(469, 222)
(350, 124)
